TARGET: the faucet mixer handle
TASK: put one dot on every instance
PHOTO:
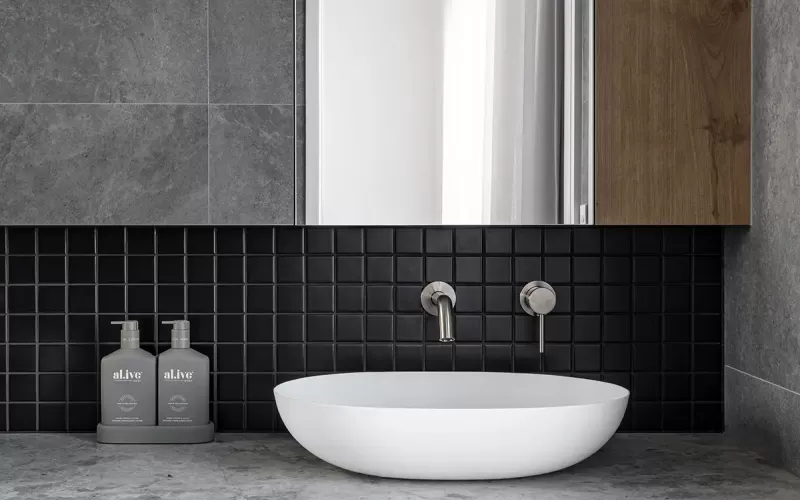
(538, 298)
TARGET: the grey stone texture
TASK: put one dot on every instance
(252, 164)
(300, 52)
(91, 164)
(762, 263)
(36, 466)
(105, 108)
(145, 51)
(252, 51)
(763, 416)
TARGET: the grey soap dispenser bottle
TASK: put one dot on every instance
(183, 381)
(128, 381)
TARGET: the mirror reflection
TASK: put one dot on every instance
(425, 112)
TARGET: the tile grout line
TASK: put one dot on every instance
(274, 317)
(215, 363)
(483, 280)
(632, 326)
(721, 320)
(126, 281)
(67, 395)
(602, 305)
(692, 308)
(185, 281)
(6, 319)
(424, 339)
(335, 314)
(763, 380)
(245, 422)
(156, 313)
(663, 337)
(36, 323)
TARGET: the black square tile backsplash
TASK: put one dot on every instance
(639, 307)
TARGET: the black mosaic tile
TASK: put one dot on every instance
(111, 240)
(52, 240)
(52, 269)
(640, 307)
(380, 240)
(469, 241)
(229, 240)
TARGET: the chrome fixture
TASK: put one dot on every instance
(438, 299)
(538, 299)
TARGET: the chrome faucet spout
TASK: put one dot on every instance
(438, 299)
(445, 308)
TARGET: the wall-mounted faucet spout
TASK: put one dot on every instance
(438, 299)
(445, 307)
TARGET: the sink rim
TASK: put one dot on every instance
(280, 391)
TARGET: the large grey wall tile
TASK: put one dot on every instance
(103, 51)
(300, 52)
(252, 164)
(764, 416)
(103, 164)
(252, 51)
(762, 264)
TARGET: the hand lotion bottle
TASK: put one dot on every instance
(183, 381)
(128, 381)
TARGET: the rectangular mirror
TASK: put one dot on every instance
(426, 112)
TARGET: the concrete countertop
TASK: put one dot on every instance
(250, 467)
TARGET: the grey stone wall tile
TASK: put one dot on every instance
(764, 416)
(103, 164)
(252, 164)
(252, 51)
(300, 52)
(84, 51)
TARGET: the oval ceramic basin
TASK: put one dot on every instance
(450, 425)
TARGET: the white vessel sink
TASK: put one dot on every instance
(450, 425)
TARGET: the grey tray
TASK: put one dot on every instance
(155, 434)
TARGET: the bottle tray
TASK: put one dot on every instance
(155, 434)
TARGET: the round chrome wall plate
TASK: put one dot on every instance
(537, 298)
(432, 289)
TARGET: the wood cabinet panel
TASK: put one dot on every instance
(672, 111)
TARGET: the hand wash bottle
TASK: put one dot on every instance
(128, 381)
(183, 381)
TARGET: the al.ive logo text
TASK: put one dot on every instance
(174, 374)
(126, 375)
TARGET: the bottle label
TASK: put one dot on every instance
(174, 375)
(126, 404)
(177, 403)
(182, 393)
(128, 392)
(126, 376)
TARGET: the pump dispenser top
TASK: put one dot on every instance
(129, 334)
(180, 333)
